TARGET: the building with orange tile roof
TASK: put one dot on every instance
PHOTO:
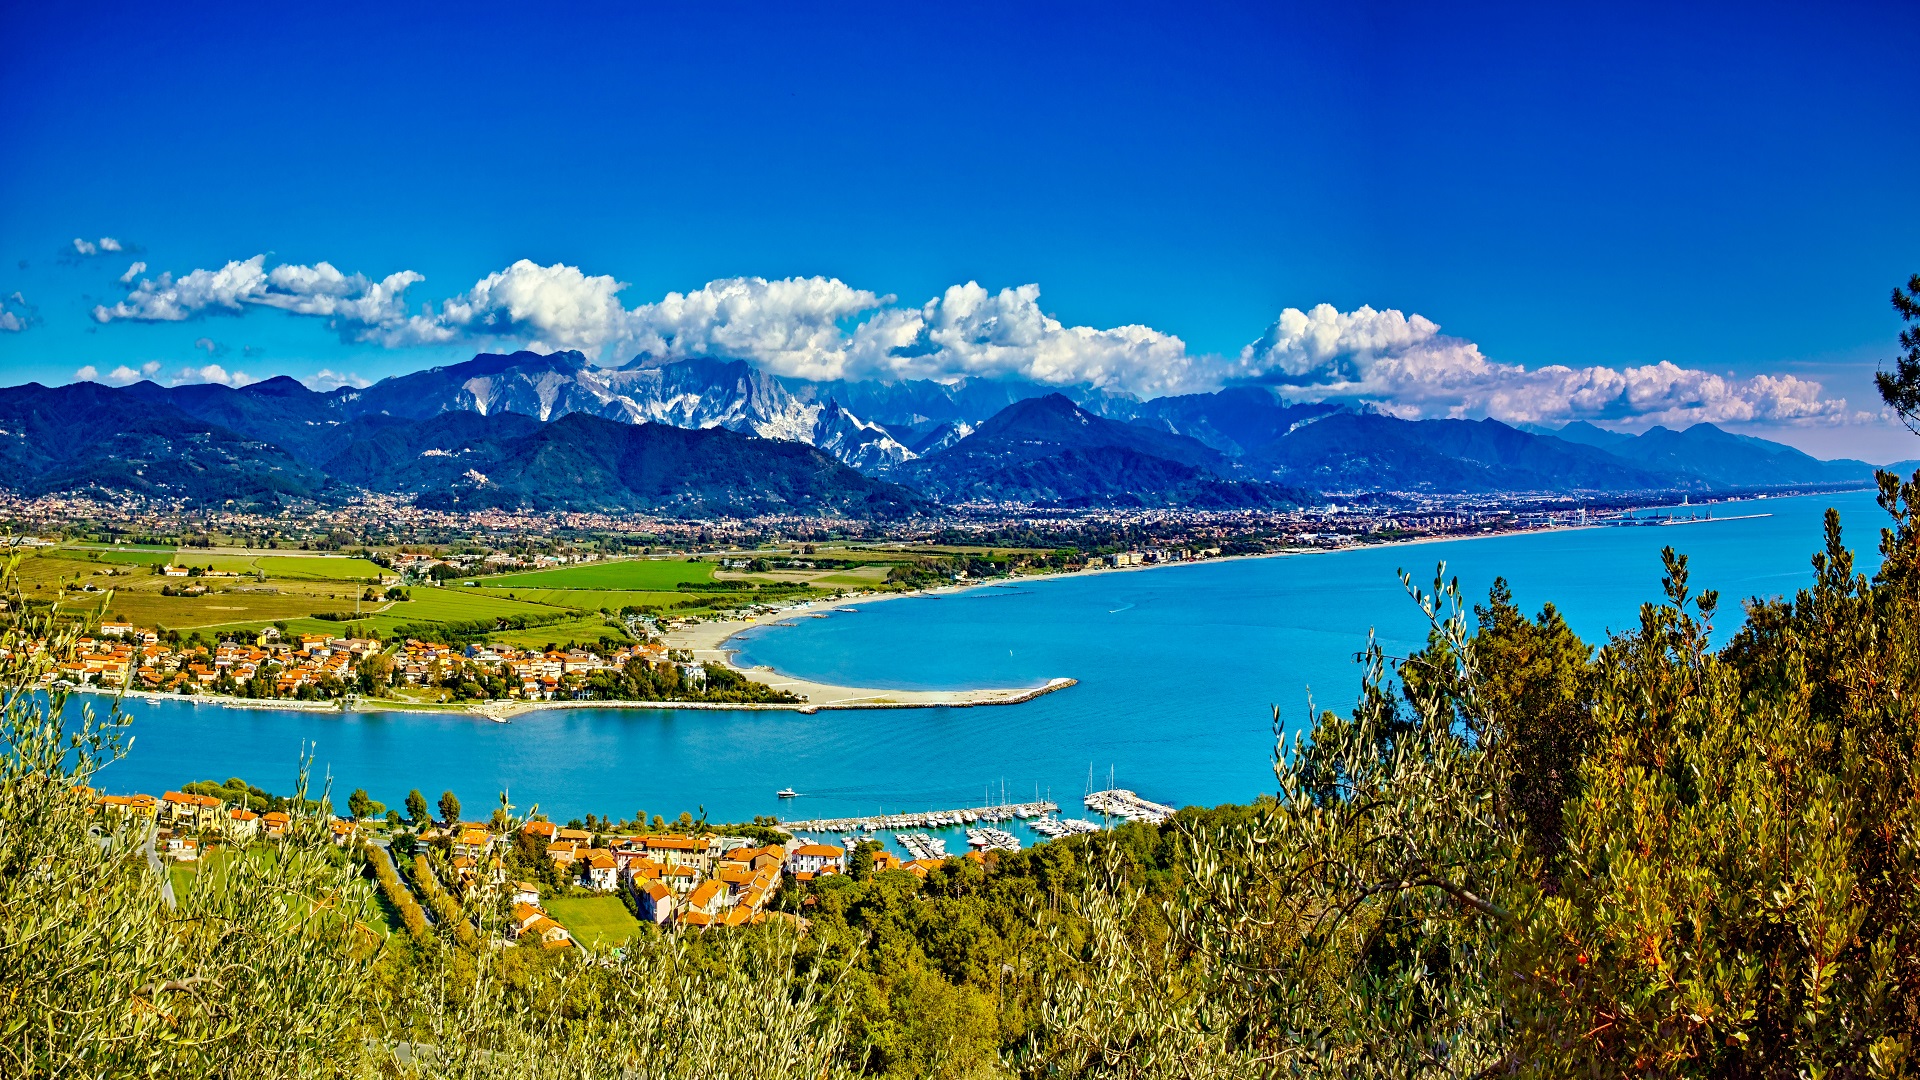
(602, 874)
(655, 899)
(709, 897)
(817, 859)
(195, 811)
(243, 823)
(142, 805)
(473, 842)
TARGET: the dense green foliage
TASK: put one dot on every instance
(641, 680)
(1536, 860)
(1519, 855)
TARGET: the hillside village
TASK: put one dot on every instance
(695, 879)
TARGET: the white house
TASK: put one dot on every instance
(816, 859)
(602, 873)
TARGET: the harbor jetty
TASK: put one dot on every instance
(927, 819)
(1121, 803)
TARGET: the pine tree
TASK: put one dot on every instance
(1900, 388)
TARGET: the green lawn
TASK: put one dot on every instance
(596, 921)
(633, 574)
(184, 874)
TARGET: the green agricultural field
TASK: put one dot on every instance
(232, 564)
(592, 628)
(647, 575)
(597, 922)
(860, 577)
(121, 554)
(458, 604)
(595, 599)
(328, 568)
(44, 570)
(285, 567)
(145, 608)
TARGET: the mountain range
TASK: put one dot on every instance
(715, 437)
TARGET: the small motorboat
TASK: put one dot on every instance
(787, 793)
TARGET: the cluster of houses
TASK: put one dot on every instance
(416, 567)
(183, 819)
(700, 881)
(705, 880)
(1153, 556)
(696, 881)
(121, 649)
(533, 674)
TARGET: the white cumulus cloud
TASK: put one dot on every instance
(327, 379)
(791, 326)
(549, 307)
(133, 271)
(358, 307)
(1406, 366)
(123, 374)
(16, 314)
(969, 331)
(86, 374)
(106, 245)
(211, 373)
(824, 329)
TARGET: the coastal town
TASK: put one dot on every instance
(692, 878)
(670, 875)
(462, 624)
(317, 666)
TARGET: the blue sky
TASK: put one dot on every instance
(1591, 192)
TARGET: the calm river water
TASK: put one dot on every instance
(1178, 667)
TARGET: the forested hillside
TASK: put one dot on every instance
(1522, 854)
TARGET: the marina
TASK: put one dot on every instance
(930, 819)
(993, 840)
(908, 830)
(922, 846)
(1054, 828)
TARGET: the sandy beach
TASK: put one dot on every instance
(707, 642)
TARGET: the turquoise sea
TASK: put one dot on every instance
(1179, 669)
